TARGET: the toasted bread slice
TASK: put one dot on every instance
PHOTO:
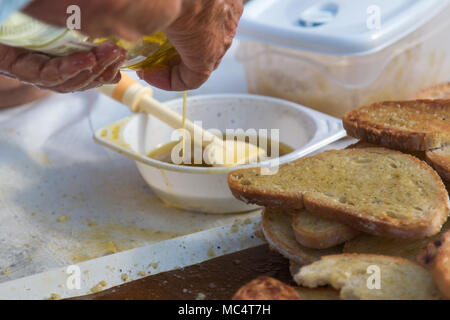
(440, 161)
(408, 249)
(317, 293)
(436, 257)
(375, 190)
(277, 230)
(370, 277)
(364, 145)
(440, 91)
(312, 293)
(266, 288)
(315, 232)
(440, 158)
(419, 125)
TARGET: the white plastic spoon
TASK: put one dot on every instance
(217, 153)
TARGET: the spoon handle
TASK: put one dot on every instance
(139, 99)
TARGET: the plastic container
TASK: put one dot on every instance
(330, 55)
(205, 189)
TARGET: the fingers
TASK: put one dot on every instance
(106, 71)
(59, 70)
(42, 70)
(78, 71)
(98, 83)
(111, 73)
(159, 77)
(108, 59)
(201, 35)
(176, 78)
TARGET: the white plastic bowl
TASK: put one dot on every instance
(206, 189)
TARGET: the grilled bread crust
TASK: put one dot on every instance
(436, 257)
(285, 190)
(418, 125)
(315, 232)
(277, 230)
(439, 159)
(408, 249)
(440, 91)
(266, 288)
(398, 278)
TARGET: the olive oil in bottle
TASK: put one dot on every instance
(20, 30)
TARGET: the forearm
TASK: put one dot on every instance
(200, 30)
(100, 18)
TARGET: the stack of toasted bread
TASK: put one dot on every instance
(345, 217)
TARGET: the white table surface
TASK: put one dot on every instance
(64, 199)
(50, 170)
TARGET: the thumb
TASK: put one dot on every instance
(174, 78)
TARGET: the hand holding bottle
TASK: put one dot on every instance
(200, 30)
(201, 34)
(76, 72)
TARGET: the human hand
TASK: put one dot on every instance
(76, 72)
(128, 19)
(200, 30)
(201, 34)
